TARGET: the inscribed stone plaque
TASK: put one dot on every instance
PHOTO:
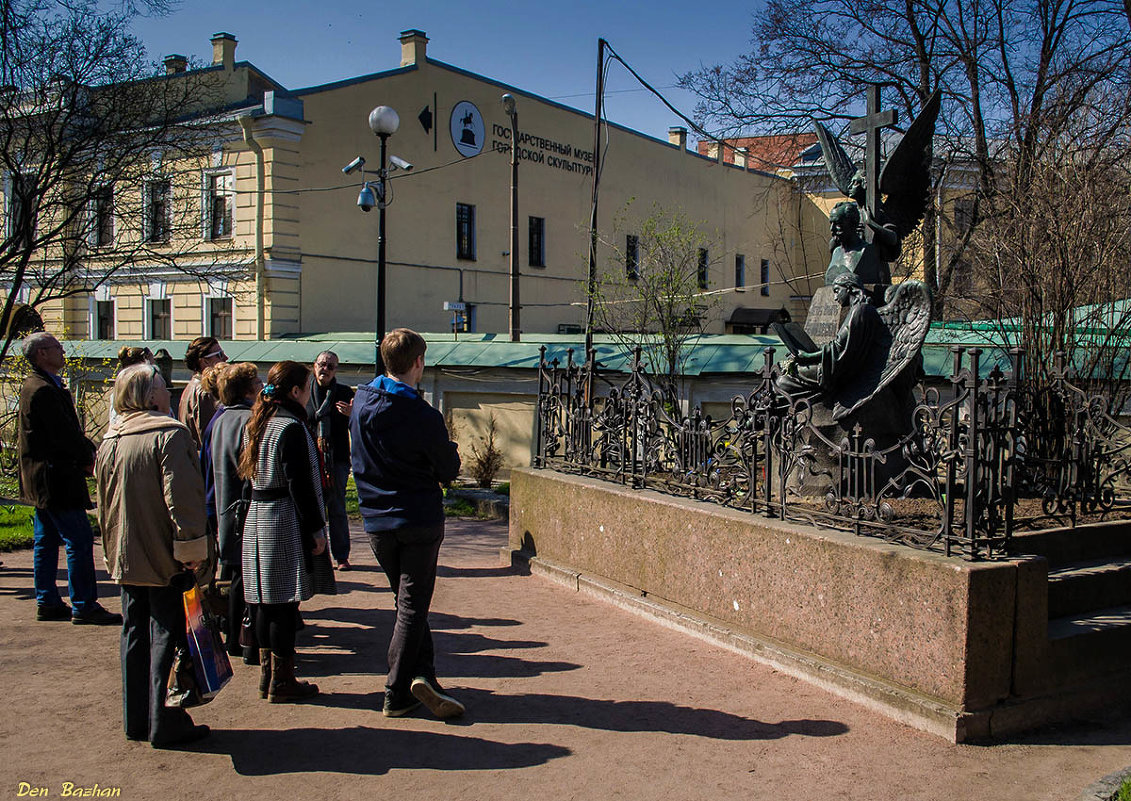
(823, 320)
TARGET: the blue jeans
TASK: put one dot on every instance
(339, 521)
(69, 527)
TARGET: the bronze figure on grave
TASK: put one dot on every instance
(874, 350)
(886, 204)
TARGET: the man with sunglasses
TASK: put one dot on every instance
(329, 410)
(197, 405)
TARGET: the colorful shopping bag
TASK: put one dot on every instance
(209, 657)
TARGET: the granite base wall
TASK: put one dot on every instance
(928, 640)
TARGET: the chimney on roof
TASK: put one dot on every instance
(224, 50)
(678, 136)
(175, 63)
(414, 47)
(740, 154)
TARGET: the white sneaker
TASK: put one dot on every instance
(441, 705)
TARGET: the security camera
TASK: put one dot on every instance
(366, 199)
(400, 163)
(354, 165)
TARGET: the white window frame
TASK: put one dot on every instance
(216, 290)
(8, 205)
(158, 290)
(206, 196)
(101, 294)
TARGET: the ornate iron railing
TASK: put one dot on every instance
(976, 460)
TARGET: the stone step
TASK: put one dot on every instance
(1090, 644)
(1082, 586)
(1064, 546)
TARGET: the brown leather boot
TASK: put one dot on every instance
(284, 686)
(264, 671)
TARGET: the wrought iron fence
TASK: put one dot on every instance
(979, 456)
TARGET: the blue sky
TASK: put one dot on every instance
(549, 48)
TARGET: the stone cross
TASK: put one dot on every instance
(872, 124)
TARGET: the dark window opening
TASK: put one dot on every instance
(104, 319)
(537, 242)
(701, 273)
(632, 257)
(157, 211)
(739, 271)
(465, 231)
(764, 278)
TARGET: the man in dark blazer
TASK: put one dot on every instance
(55, 459)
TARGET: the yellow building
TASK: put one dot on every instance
(262, 235)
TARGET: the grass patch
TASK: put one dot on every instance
(460, 507)
(504, 489)
(1124, 793)
(15, 527)
(352, 509)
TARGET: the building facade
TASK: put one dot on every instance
(269, 239)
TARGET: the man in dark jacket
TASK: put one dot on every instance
(401, 455)
(55, 459)
(329, 410)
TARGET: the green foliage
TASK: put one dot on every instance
(486, 461)
(15, 527)
(1124, 793)
(504, 488)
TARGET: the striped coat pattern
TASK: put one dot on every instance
(274, 569)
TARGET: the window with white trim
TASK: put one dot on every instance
(218, 205)
(160, 315)
(220, 316)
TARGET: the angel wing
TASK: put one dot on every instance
(906, 177)
(837, 162)
(907, 315)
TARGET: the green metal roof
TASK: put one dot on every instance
(710, 354)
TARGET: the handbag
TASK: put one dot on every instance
(181, 691)
(247, 629)
(211, 668)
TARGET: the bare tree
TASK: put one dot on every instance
(100, 153)
(1011, 71)
(654, 292)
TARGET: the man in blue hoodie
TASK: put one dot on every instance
(401, 454)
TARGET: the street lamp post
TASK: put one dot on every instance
(515, 306)
(383, 121)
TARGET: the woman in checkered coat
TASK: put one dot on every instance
(285, 527)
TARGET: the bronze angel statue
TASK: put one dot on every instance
(902, 198)
(874, 350)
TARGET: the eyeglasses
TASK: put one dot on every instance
(216, 354)
(326, 366)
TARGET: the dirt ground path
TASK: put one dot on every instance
(568, 698)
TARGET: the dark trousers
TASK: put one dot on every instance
(153, 625)
(408, 557)
(337, 519)
(275, 626)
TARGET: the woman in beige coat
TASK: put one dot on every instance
(151, 510)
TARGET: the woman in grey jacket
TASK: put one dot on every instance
(285, 525)
(151, 510)
(238, 386)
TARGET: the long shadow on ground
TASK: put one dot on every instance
(634, 716)
(362, 750)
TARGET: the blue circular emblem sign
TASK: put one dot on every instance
(468, 130)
